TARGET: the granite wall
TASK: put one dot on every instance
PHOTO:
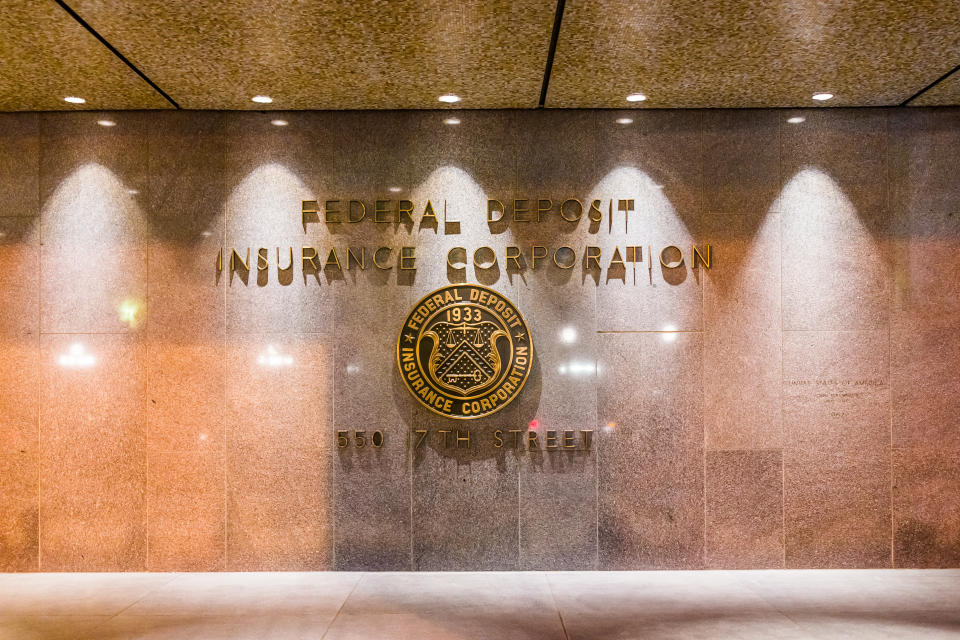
(795, 405)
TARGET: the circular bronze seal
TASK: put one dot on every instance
(464, 351)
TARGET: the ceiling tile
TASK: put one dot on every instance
(751, 53)
(47, 55)
(326, 54)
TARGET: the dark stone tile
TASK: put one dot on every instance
(279, 440)
(836, 509)
(19, 276)
(465, 501)
(849, 147)
(925, 200)
(741, 161)
(924, 152)
(372, 484)
(278, 508)
(558, 510)
(744, 521)
(650, 451)
(925, 386)
(572, 153)
(558, 489)
(19, 164)
(926, 508)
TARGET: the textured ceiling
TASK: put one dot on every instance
(751, 53)
(944, 93)
(402, 54)
(45, 55)
(328, 54)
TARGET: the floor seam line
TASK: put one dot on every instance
(340, 608)
(556, 607)
(110, 618)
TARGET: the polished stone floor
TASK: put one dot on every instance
(424, 606)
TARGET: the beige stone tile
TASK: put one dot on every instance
(92, 453)
(48, 627)
(185, 510)
(279, 508)
(18, 502)
(185, 403)
(27, 596)
(452, 624)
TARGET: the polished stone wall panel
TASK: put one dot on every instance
(926, 526)
(791, 406)
(650, 448)
(744, 509)
(19, 165)
(93, 463)
(278, 469)
(372, 485)
(558, 489)
(835, 221)
(743, 338)
(836, 509)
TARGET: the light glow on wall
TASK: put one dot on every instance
(77, 357)
(577, 368)
(129, 311)
(669, 333)
(273, 358)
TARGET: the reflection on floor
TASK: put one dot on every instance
(424, 606)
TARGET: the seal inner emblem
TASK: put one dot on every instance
(464, 351)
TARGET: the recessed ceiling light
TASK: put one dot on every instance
(132, 192)
(106, 123)
(74, 100)
(624, 120)
(449, 97)
(452, 121)
(636, 97)
(279, 123)
(262, 99)
(796, 119)
(394, 189)
(822, 96)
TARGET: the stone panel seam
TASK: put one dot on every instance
(890, 312)
(783, 466)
